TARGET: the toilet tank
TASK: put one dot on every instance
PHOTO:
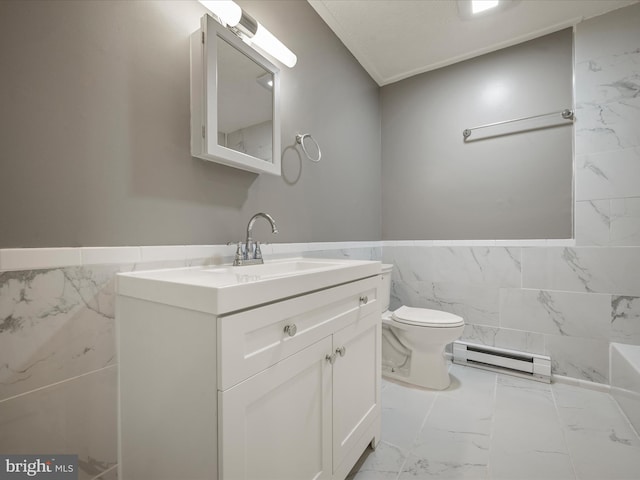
(385, 289)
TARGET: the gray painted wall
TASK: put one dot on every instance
(94, 131)
(437, 187)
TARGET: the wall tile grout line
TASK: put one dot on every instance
(105, 472)
(55, 384)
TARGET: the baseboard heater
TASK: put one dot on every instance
(512, 362)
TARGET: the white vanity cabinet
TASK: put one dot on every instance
(285, 390)
(301, 416)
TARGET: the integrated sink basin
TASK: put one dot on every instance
(224, 289)
(274, 269)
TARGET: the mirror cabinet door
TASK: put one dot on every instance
(245, 104)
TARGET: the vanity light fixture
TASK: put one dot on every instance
(478, 6)
(477, 9)
(250, 30)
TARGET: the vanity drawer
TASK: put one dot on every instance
(250, 341)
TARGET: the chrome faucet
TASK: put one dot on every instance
(249, 253)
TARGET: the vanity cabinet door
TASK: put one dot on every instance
(356, 384)
(277, 424)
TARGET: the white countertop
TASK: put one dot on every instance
(223, 289)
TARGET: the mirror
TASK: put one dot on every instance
(245, 104)
(234, 102)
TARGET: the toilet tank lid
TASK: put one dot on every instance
(387, 267)
(425, 317)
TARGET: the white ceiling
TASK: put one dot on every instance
(395, 39)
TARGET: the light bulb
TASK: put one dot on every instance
(230, 14)
(227, 11)
(478, 6)
(270, 44)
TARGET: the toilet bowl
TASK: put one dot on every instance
(414, 340)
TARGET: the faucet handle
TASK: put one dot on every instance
(239, 255)
(257, 253)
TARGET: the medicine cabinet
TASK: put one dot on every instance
(235, 118)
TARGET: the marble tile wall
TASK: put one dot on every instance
(58, 365)
(607, 139)
(566, 302)
(625, 380)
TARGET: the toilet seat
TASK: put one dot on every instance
(424, 317)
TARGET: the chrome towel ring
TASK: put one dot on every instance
(300, 137)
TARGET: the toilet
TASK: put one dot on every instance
(414, 339)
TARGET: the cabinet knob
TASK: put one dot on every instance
(364, 299)
(341, 351)
(330, 358)
(290, 329)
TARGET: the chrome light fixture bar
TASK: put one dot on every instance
(250, 30)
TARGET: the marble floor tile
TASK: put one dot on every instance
(495, 426)
(455, 439)
(508, 464)
(471, 384)
(527, 439)
(403, 412)
(382, 464)
(600, 440)
(459, 456)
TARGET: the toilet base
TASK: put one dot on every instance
(428, 370)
